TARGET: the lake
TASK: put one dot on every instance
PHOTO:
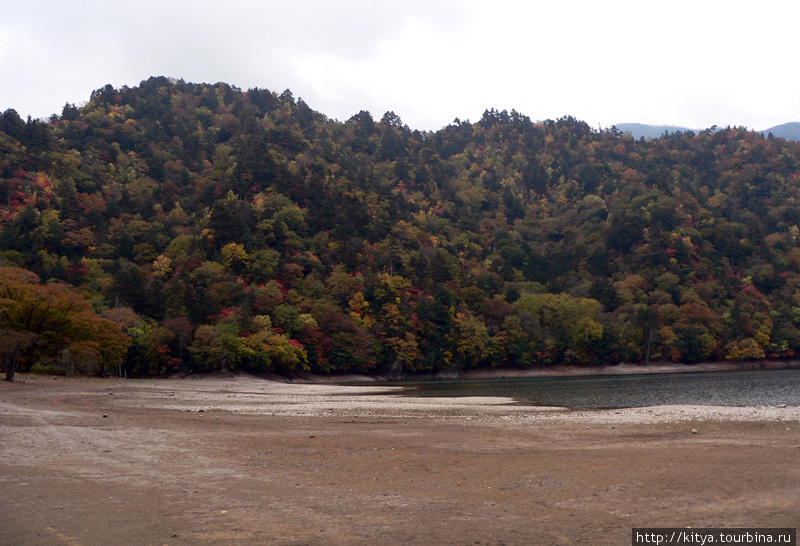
(721, 388)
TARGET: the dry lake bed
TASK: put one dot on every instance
(240, 460)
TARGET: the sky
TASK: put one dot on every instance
(693, 63)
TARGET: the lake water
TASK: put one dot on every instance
(728, 388)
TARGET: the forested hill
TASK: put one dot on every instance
(219, 228)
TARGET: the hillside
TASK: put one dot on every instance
(221, 228)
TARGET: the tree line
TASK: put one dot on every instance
(204, 227)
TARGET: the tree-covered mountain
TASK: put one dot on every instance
(222, 228)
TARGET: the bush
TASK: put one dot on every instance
(48, 369)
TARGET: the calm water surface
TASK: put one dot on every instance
(729, 388)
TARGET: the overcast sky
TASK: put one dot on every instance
(694, 63)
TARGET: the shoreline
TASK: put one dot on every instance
(560, 370)
(551, 371)
(627, 369)
(248, 395)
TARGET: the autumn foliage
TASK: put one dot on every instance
(206, 227)
(53, 323)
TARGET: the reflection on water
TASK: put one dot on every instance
(739, 388)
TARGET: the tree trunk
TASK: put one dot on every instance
(647, 349)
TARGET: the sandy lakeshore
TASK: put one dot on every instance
(242, 460)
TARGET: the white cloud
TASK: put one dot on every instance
(695, 63)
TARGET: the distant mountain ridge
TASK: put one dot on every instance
(643, 130)
(789, 131)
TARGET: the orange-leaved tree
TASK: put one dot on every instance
(40, 321)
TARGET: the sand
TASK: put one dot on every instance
(241, 460)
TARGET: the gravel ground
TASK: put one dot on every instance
(247, 461)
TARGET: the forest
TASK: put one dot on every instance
(180, 227)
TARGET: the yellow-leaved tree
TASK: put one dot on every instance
(560, 327)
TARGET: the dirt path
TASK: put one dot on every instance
(96, 462)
